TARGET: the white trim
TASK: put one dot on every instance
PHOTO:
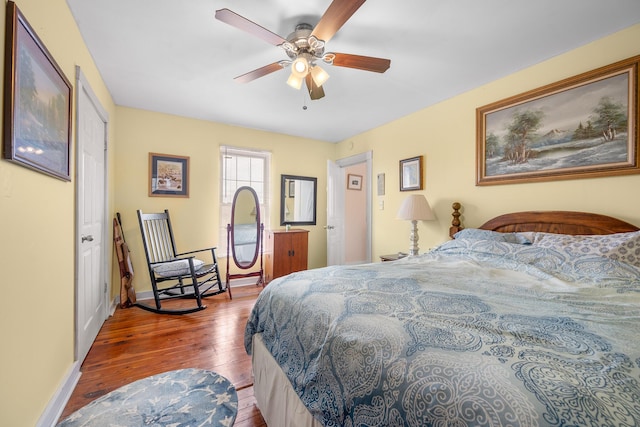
(83, 86)
(225, 207)
(58, 402)
(148, 295)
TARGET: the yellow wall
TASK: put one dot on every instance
(196, 219)
(37, 246)
(38, 212)
(445, 135)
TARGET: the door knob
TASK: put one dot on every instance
(329, 227)
(88, 238)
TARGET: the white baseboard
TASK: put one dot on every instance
(147, 295)
(57, 404)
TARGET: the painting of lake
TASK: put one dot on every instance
(574, 129)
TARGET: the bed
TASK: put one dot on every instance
(529, 320)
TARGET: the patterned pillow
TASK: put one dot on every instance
(495, 236)
(176, 268)
(623, 247)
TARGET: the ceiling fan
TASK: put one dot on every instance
(305, 48)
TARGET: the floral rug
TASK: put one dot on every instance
(186, 397)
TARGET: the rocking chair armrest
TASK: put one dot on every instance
(196, 251)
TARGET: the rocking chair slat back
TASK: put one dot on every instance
(159, 236)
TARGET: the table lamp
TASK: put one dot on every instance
(415, 208)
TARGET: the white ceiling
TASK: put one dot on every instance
(174, 57)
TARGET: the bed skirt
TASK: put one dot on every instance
(278, 402)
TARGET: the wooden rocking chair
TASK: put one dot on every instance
(176, 275)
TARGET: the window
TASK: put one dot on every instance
(242, 167)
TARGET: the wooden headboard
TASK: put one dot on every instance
(560, 222)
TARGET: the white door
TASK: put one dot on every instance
(336, 185)
(91, 224)
(335, 214)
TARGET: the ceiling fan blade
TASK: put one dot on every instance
(242, 23)
(366, 63)
(315, 92)
(334, 17)
(259, 72)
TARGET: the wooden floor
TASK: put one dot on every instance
(135, 344)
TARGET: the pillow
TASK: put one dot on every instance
(178, 267)
(495, 236)
(623, 247)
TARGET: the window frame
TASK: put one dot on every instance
(226, 196)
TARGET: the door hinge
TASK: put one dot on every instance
(105, 287)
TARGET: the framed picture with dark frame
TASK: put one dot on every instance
(37, 102)
(581, 127)
(354, 182)
(411, 174)
(292, 189)
(168, 175)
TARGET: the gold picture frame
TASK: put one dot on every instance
(581, 127)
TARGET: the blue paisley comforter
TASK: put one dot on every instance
(475, 333)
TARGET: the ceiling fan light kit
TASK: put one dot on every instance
(300, 66)
(305, 46)
(319, 75)
(294, 81)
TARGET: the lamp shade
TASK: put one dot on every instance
(415, 207)
(319, 75)
(294, 81)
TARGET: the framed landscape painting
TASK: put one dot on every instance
(584, 126)
(37, 102)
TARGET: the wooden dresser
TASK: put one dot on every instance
(285, 252)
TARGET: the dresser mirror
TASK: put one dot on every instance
(298, 200)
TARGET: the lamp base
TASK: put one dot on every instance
(413, 238)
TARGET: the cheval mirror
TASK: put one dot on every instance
(244, 235)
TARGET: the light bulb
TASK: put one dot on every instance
(300, 66)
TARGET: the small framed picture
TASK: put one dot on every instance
(354, 182)
(292, 189)
(411, 174)
(168, 175)
(380, 184)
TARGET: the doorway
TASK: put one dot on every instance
(91, 224)
(349, 210)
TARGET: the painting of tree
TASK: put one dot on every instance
(38, 132)
(567, 130)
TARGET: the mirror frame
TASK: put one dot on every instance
(283, 180)
(245, 266)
